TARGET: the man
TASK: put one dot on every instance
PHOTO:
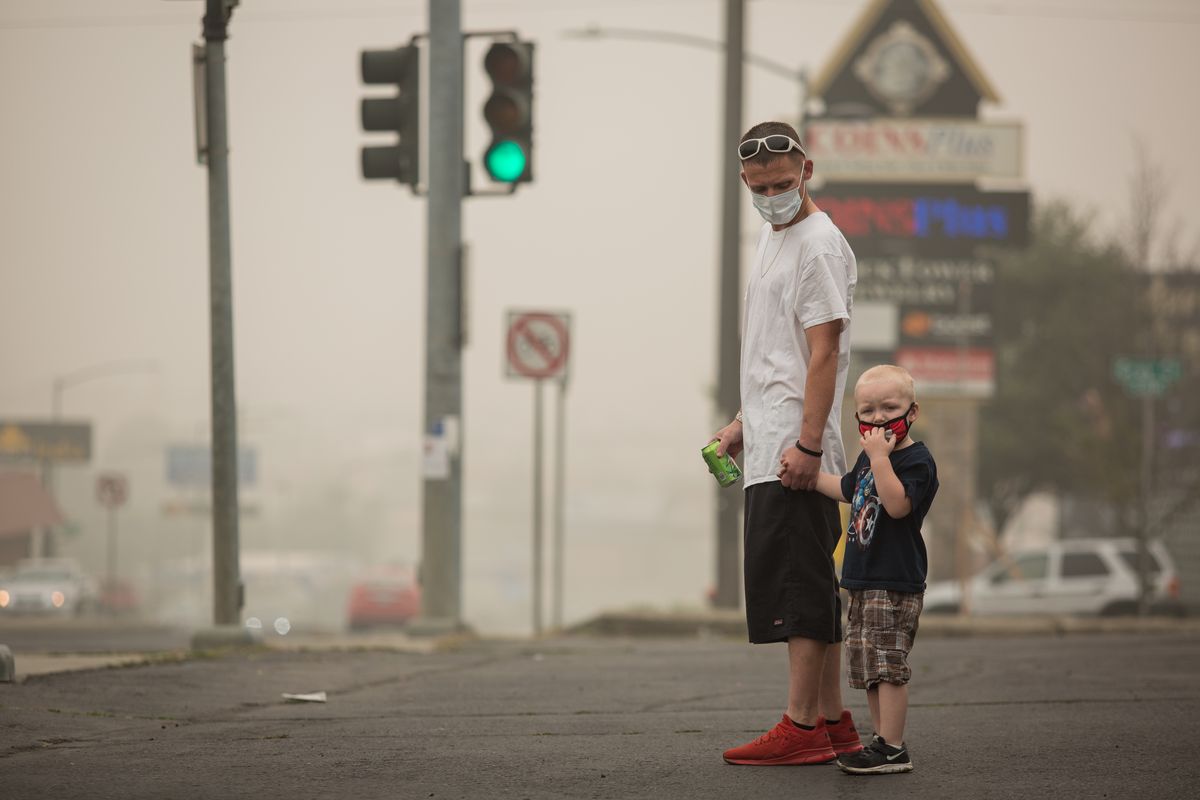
(795, 356)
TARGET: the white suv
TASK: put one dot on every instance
(1072, 576)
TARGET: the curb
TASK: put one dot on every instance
(29, 665)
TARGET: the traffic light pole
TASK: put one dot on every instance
(227, 590)
(441, 567)
(226, 579)
(729, 503)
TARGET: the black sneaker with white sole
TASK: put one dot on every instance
(877, 758)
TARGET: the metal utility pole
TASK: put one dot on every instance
(441, 566)
(227, 594)
(729, 503)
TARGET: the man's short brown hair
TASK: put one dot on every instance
(764, 156)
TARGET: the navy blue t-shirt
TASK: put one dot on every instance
(881, 552)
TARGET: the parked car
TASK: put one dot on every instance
(388, 596)
(1072, 576)
(47, 586)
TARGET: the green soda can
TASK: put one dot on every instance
(723, 468)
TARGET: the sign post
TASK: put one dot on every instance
(537, 348)
(112, 490)
(1146, 378)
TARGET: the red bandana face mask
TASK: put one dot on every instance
(898, 426)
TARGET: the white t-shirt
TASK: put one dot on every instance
(801, 276)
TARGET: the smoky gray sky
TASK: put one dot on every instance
(104, 248)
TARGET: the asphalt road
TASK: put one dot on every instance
(1089, 716)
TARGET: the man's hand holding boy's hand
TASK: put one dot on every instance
(878, 443)
(798, 470)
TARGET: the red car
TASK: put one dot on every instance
(117, 597)
(384, 598)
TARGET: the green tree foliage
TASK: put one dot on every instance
(1065, 307)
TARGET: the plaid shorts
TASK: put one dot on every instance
(880, 634)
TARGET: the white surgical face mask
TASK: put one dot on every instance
(779, 209)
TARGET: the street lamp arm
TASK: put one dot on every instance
(132, 365)
(687, 40)
(123, 367)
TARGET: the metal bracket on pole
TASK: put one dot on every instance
(199, 92)
(511, 36)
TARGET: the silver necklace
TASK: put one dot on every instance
(782, 242)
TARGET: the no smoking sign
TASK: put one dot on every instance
(538, 344)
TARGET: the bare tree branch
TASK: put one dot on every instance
(1149, 188)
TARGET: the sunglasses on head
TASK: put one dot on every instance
(775, 143)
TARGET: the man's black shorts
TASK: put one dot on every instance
(791, 582)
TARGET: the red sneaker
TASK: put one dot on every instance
(843, 736)
(785, 744)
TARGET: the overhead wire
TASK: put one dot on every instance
(1121, 11)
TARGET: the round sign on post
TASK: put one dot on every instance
(112, 489)
(538, 344)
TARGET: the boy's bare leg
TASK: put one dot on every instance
(873, 704)
(830, 699)
(893, 712)
(806, 662)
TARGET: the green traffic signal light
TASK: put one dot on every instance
(509, 111)
(506, 160)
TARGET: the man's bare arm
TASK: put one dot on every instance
(821, 381)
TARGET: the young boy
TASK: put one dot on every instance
(890, 489)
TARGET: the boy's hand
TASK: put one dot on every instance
(878, 443)
(731, 439)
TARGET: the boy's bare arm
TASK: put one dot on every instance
(830, 486)
(890, 489)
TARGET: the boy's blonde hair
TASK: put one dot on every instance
(890, 372)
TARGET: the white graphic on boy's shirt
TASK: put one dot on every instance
(864, 511)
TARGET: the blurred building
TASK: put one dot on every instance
(24, 508)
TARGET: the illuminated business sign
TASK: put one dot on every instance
(924, 326)
(934, 221)
(914, 150)
(922, 217)
(949, 371)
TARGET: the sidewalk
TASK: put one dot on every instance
(1087, 715)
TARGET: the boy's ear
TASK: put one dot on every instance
(916, 412)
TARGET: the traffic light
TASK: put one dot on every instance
(398, 114)
(509, 112)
